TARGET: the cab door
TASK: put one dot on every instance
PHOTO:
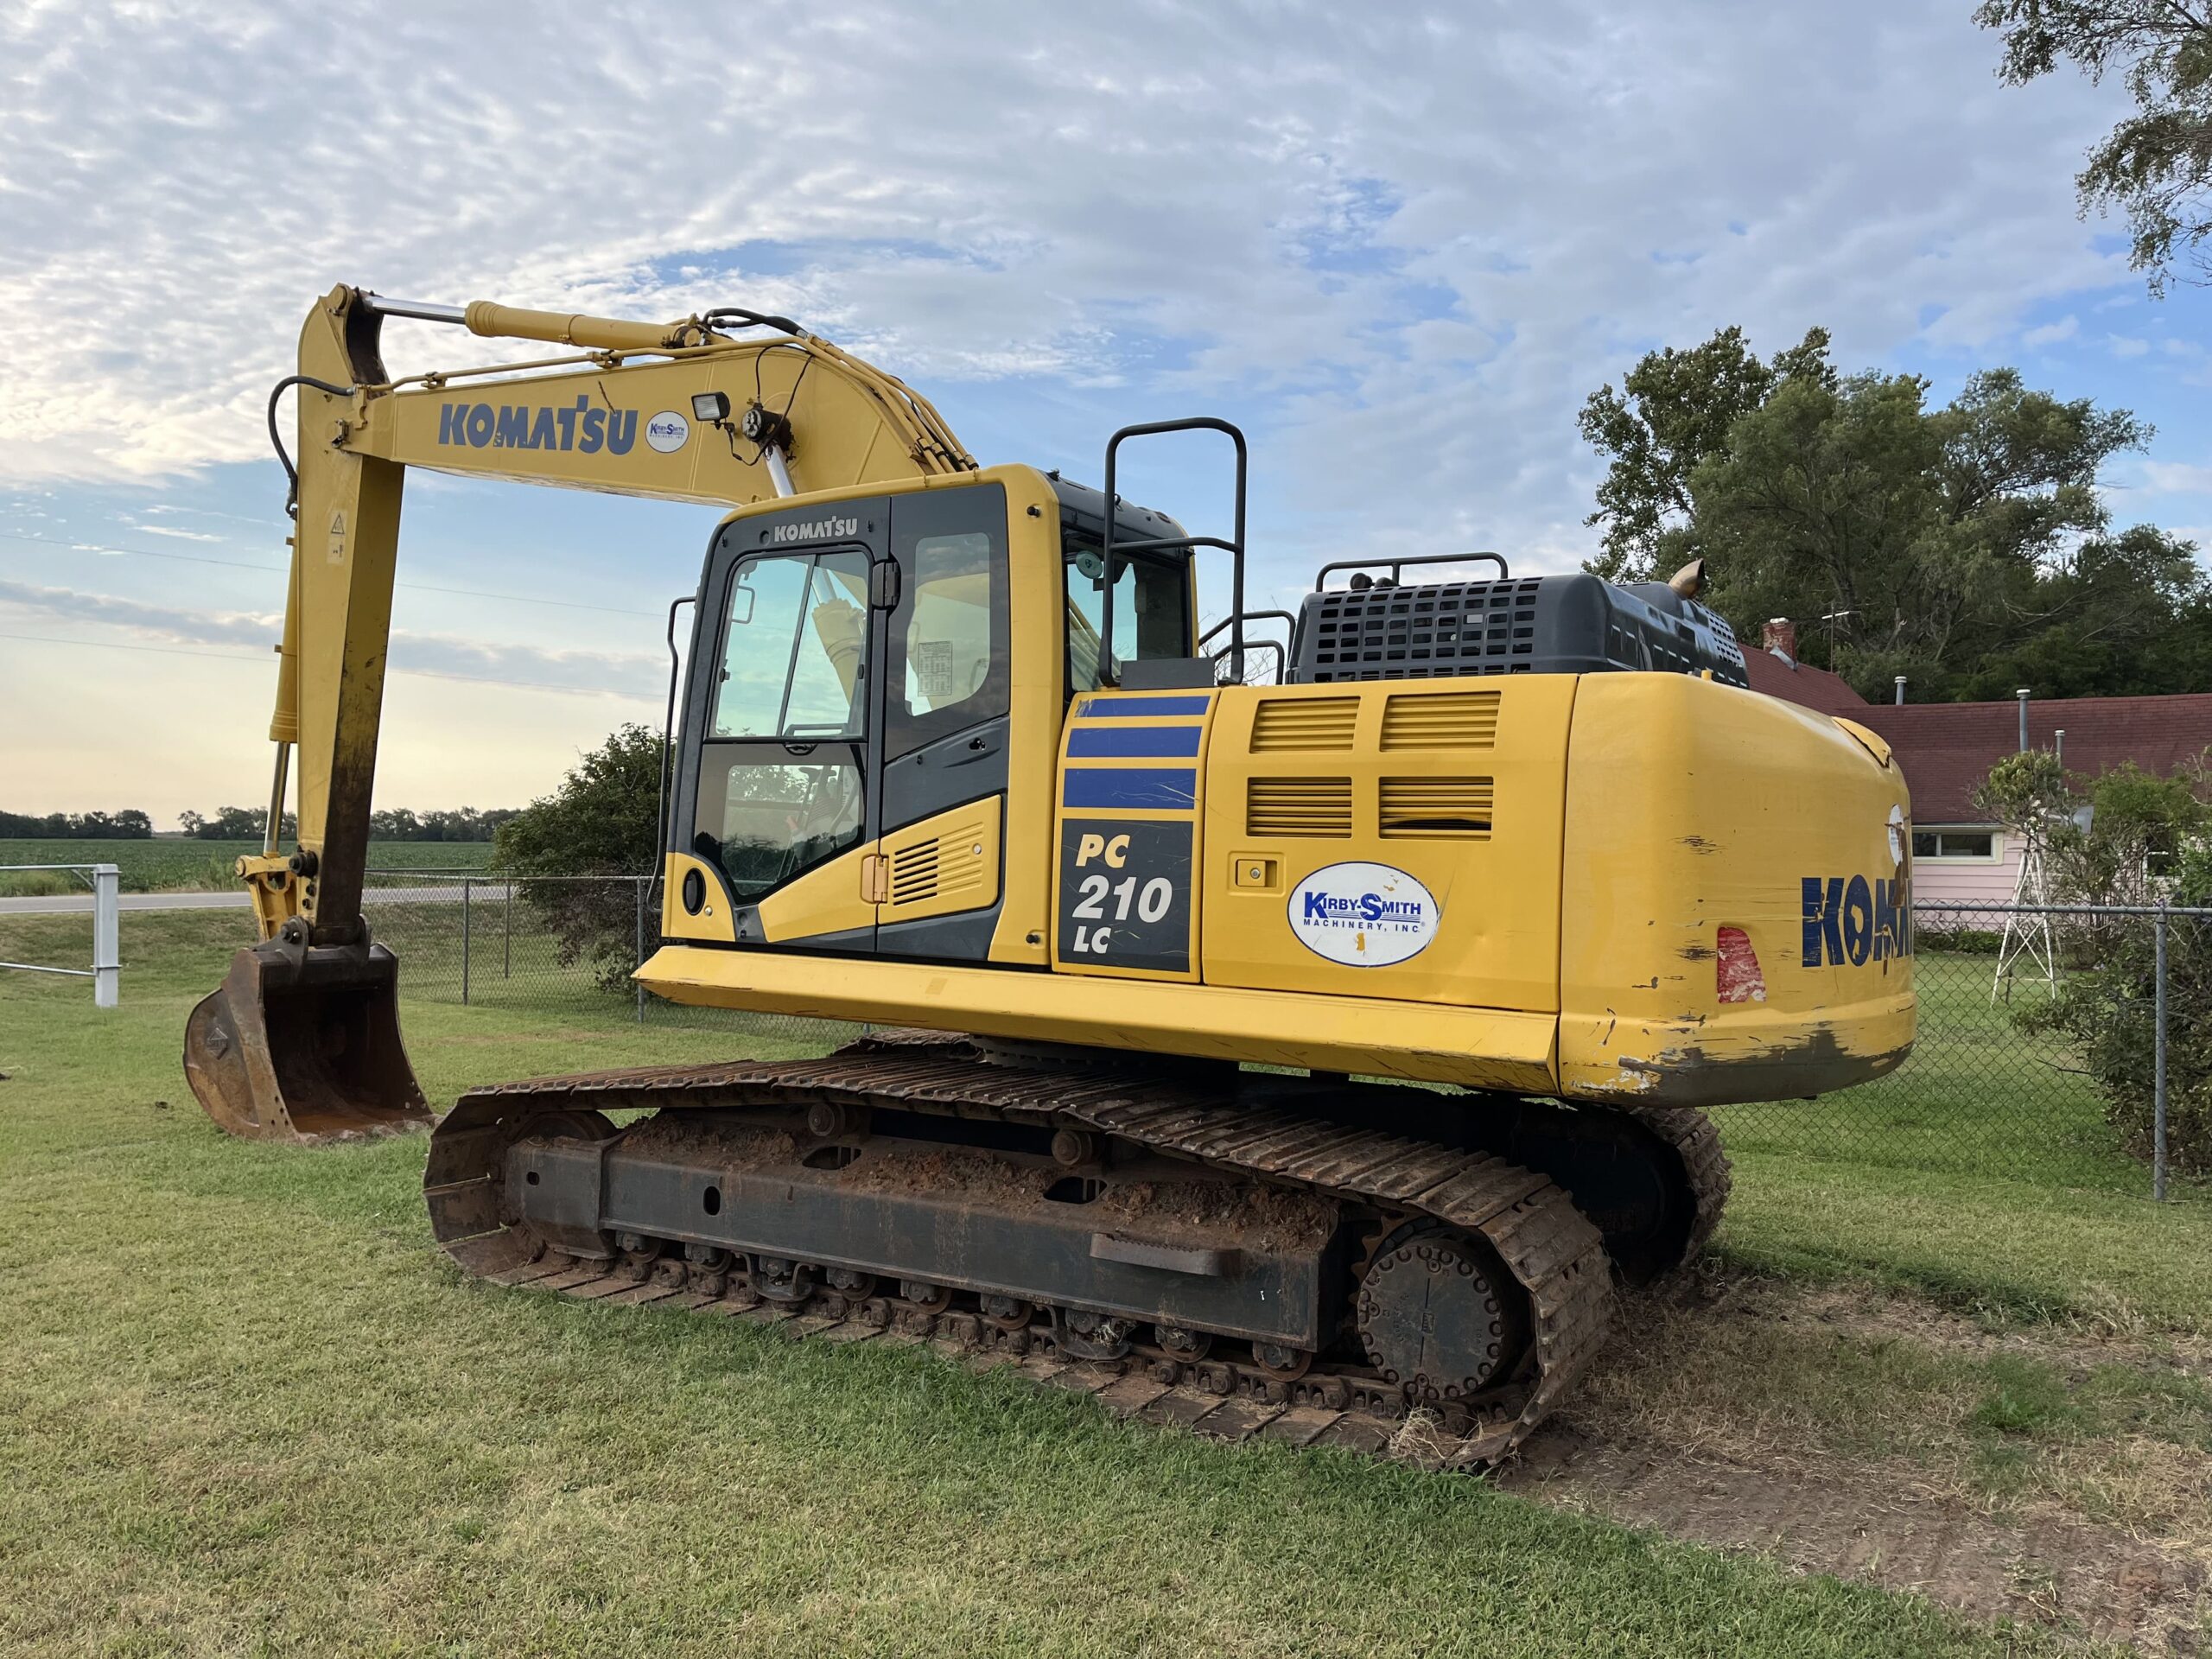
(783, 801)
(944, 707)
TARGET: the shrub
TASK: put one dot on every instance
(2110, 1011)
(602, 821)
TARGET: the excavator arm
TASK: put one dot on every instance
(301, 1041)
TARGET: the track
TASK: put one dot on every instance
(1414, 1196)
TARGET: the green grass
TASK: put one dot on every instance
(1979, 1092)
(244, 1408)
(173, 865)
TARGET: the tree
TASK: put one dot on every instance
(1920, 540)
(1674, 410)
(602, 821)
(1966, 546)
(2155, 165)
(130, 824)
(236, 824)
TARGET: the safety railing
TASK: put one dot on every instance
(106, 971)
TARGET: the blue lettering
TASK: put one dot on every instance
(568, 417)
(621, 430)
(452, 423)
(594, 431)
(1858, 921)
(541, 435)
(479, 426)
(1317, 906)
(1370, 907)
(514, 427)
(1823, 906)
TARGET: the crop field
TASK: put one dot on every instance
(245, 1407)
(166, 865)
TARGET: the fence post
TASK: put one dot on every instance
(640, 954)
(507, 935)
(467, 882)
(107, 954)
(2158, 1067)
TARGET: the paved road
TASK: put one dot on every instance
(66, 903)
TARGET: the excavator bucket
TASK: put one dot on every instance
(303, 1044)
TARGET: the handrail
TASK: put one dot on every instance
(1235, 547)
(1504, 572)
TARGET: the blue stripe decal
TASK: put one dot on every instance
(1174, 788)
(1123, 742)
(1131, 707)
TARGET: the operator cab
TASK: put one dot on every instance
(860, 663)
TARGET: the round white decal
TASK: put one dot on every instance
(1364, 915)
(668, 431)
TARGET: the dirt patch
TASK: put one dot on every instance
(2053, 1570)
(1847, 1432)
(2116, 1335)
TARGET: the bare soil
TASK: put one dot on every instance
(2110, 1540)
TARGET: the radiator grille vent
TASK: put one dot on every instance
(1445, 719)
(1304, 723)
(1436, 808)
(1298, 807)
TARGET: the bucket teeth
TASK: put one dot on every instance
(303, 1044)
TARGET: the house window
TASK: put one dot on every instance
(1955, 846)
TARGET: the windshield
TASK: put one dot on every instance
(792, 657)
(780, 785)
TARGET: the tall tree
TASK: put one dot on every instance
(1920, 541)
(1967, 546)
(2155, 165)
(1674, 412)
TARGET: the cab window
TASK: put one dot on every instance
(791, 654)
(1152, 619)
(780, 785)
(949, 666)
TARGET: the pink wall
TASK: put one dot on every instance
(1943, 883)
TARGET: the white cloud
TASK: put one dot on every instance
(628, 674)
(2127, 344)
(179, 535)
(1416, 242)
(2051, 332)
(2178, 478)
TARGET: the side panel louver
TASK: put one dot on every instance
(1443, 720)
(1291, 723)
(943, 864)
(1298, 807)
(1436, 808)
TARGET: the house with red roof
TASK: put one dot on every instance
(1948, 748)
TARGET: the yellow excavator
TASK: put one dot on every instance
(1287, 1058)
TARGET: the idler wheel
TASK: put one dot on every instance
(1433, 1317)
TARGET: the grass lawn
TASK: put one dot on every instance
(245, 1408)
(170, 864)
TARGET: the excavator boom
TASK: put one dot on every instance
(302, 1040)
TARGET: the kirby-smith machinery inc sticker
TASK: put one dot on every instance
(1364, 915)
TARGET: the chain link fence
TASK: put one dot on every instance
(2000, 1081)
(561, 945)
(2048, 1050)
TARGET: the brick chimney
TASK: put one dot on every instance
(1780, 637)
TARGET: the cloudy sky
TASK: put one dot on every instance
(1399, 249)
